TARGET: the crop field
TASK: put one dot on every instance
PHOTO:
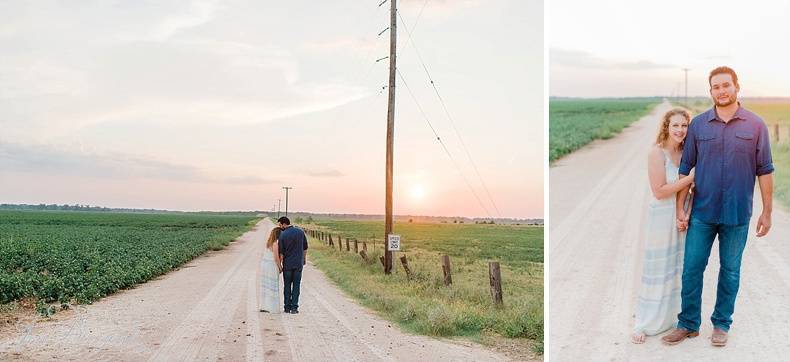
(574, 123)
(514, 245)
(68, 257)
(424, 304)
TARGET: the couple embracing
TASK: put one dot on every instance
(702, 174)
(286, 254)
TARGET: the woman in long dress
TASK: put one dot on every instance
(659, 295)
(271, 269)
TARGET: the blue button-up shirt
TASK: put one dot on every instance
(292, 244)
(728, 157)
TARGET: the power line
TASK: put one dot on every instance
(418, 16)
(444, 147)
(450, 118)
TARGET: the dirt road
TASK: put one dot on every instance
(597, 206)
(208, 311)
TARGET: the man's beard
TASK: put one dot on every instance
(732, 99)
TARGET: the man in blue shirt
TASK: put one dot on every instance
(729, 146)
(293, 250)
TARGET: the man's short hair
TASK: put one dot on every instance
(284, 220)
(724, 70)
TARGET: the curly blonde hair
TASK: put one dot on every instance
(663, 128)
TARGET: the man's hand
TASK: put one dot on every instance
(682, 220)
(683, 225)
(763, 224)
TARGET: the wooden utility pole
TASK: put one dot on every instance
(286, 188)
(686, 97)
(390, 136)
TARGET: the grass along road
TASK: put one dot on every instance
(424, 305)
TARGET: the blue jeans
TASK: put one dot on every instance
(699, 239)
(292, 280)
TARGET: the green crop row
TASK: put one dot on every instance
(80, 257)
(574, 123)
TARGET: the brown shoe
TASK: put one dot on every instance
(678, 335)
(719, 338)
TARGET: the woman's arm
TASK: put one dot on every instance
(277, 260)
(656, 172)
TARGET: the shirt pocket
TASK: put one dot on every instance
(705, 143)
(744, 142)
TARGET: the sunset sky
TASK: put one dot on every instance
(215, 105)
(621, 48)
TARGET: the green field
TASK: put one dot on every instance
(424, 304)
(78, 257)
(574, 123)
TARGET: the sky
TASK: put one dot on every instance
(620, 48)
(216, 105)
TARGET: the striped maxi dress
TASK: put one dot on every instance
(658, 304)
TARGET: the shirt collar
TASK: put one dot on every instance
(739, 113)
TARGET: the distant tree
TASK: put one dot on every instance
(410, 220)
(455, 221)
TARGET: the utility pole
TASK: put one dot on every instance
(286, 188)
(390, 137)
(278, 208)
(686, 70)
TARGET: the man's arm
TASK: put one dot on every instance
(765, 178)
(766, 192)
(687, 162)
(305, 250)
(682, 215)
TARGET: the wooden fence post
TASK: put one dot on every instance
(364, 256)
(448, 278)
(356, 247)
(496, 282)
(381, 259)
(364, 246)
(776, 131)
(348, 245)
(406, 267)
(331, 242)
